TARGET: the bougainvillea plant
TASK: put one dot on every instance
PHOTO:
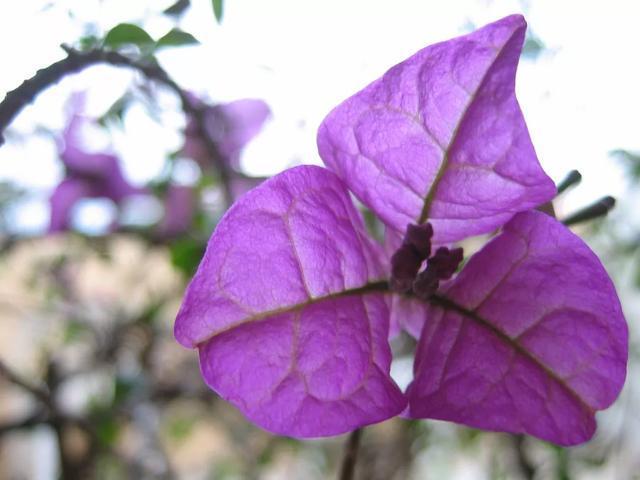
(290, 308)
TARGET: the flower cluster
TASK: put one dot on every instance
(231, 127)
(408, 259)
(293, 303)
(87, 174)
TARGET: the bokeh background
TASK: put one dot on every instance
(86, 313)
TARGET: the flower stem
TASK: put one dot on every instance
(350, 455)
(597, 209)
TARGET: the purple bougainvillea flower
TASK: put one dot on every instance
(441, 138)
(179, 211)
(231, 126)
(529, 338)
(285, 313)
(289, 307)
(288, 315)
(88, 175)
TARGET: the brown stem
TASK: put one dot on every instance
(36, 418)
(76, 61)
(38, 392)
(350, 455)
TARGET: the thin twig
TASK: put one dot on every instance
(76, 61)
(38, 392)
(350, 455)
(30, 421)
(574, 177)
(597, 209)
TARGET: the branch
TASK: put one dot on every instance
(597, 209)
(77, 61)
(350, 455)
(38, 392)
(37, 418)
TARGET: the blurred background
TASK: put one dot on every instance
(109, 190)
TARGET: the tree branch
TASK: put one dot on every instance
(37, 418)
(77, 61)
(38, 392)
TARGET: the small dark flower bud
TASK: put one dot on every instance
(445, 262)
(419, 237)
(441, 266)
(405, 264)
(407, 260)
(426, 284)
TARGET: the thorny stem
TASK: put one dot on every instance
(76, 61)
(350, 458)
(597, 209)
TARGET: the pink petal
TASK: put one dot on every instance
(440, 137)
(285, 314)
(537, 343)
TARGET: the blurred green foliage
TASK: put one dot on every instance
(218, 9)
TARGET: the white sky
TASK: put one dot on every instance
(581, 98)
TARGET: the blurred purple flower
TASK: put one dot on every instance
(87, 174)
(230, 126)
(179, 211)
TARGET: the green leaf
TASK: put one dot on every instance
(88, 42)
(186, 254)
(180, 428)
(116, 111)
(127, 34)
(631, 161)
(218, 9)
(532, 47)
(176, 38)
(107, 430)
(178, 8)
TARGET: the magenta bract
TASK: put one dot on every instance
(230, 126)
(536, 344)
(283, 311)
(441, 138)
